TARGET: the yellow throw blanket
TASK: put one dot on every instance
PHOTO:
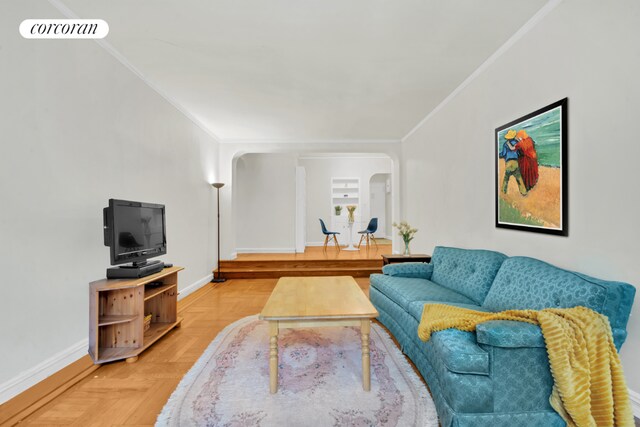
(589, 386)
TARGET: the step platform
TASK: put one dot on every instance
(264, 269)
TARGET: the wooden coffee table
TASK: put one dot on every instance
(309, 302)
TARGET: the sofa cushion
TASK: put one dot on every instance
(415, 308)
(527, 283)
(466, 271)
(403, 291)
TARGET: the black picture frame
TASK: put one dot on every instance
(514, 202)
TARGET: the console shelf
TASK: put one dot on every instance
(117, 309)
(112, 320)
(151, 292)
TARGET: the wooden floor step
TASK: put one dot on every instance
(311, 263)
(286, 272)
(296, 264)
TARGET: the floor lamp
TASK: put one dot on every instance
(219, 279)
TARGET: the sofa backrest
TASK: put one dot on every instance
(467, 271)
(528, 283)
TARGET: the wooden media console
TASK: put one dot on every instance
(117, 308)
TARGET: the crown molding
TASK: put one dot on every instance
(316, 156)
(528, 26)
(308, 141)
(68, 13)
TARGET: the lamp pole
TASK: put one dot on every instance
(219, 278)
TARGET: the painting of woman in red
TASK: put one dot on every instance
(527, 159)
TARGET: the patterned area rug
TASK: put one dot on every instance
(320, 382)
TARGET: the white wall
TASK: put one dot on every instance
(588, 51)
(320, 170)
(78, 128)
(264, 195)
(389, 208)
(229, 153)
(265, 204)
(380, 202)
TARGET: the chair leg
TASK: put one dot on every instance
(368, 243)
(335, 239)
(374, 241)
(360, 242)
(326, 240)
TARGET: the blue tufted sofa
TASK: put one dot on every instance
(498, 375)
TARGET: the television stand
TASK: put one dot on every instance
(116, 314)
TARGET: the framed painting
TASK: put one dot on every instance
(531, 171)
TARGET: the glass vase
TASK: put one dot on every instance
(407, 252)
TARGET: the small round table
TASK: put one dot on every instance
(351, 247)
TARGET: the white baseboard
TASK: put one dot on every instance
(42, 370)
(266, 250)
(634, 397)
(194, 287)
(62, 359)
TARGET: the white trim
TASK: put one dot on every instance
(62, 359)
(307, 141)
(68, 13)
(42, 370)
(634, 397)
(232, 256)
(264, 251)
(528, 26)
(321, 156)
(194, 287)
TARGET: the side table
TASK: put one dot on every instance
(394, 259)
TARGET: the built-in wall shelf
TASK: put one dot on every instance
(345, 191)
(117, 309)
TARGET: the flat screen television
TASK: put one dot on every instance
(135, 231)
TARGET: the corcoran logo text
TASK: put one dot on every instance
(64, 29)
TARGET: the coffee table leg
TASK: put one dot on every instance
(365, 329)
(273, 356)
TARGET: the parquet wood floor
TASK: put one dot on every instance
(122, 394)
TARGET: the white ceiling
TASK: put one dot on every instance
(307, 69)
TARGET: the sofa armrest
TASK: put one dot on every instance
(417, 270)
(619, 337)
(509, 334)
(460, 352)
